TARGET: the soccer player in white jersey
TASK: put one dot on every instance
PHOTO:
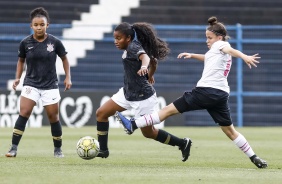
(212, 90)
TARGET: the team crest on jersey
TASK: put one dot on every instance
(124, 54)
(50, 47)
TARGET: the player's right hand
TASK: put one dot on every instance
(16, 83)
(185, 55)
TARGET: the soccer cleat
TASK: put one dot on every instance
(185, 149)
(58, 153)
(103, 154)
(260, 163)
(12, 152)
(126, 123)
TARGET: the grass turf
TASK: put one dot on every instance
(134, 159)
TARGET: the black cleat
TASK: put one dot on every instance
(103, 154)
(185, 149)
(260, 163)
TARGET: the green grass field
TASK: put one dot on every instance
(134, 159)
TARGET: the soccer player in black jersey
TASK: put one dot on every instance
(142, 48)
(39, 51)
(211, 92)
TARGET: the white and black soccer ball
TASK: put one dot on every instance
(87, 147)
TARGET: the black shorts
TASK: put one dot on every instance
(215, 101)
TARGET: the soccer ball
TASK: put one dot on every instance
(87, 147)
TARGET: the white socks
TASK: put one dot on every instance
(243, 144)
(148, 120)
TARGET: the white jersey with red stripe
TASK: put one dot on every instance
(216, 68)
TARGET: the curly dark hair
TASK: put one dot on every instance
(39, 12)
(155, 47)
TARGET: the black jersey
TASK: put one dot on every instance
(41, 61)
(136, 88)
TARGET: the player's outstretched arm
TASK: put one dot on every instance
(249, 60)
(186, 55)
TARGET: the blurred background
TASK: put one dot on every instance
(86, 29)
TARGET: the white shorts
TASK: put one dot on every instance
(147, 106)
(48, 97)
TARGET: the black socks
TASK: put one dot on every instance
(102, 134)
(167, 138)
(19, 129)
(56, 131)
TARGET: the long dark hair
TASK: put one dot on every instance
(147, 36)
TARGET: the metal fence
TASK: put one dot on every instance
(258, 37)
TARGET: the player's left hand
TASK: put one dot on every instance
(68, 84)
(252, 60)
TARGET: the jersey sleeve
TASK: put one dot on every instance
(21, 50)
(134, 50)
(221, 44)
(60, 49)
